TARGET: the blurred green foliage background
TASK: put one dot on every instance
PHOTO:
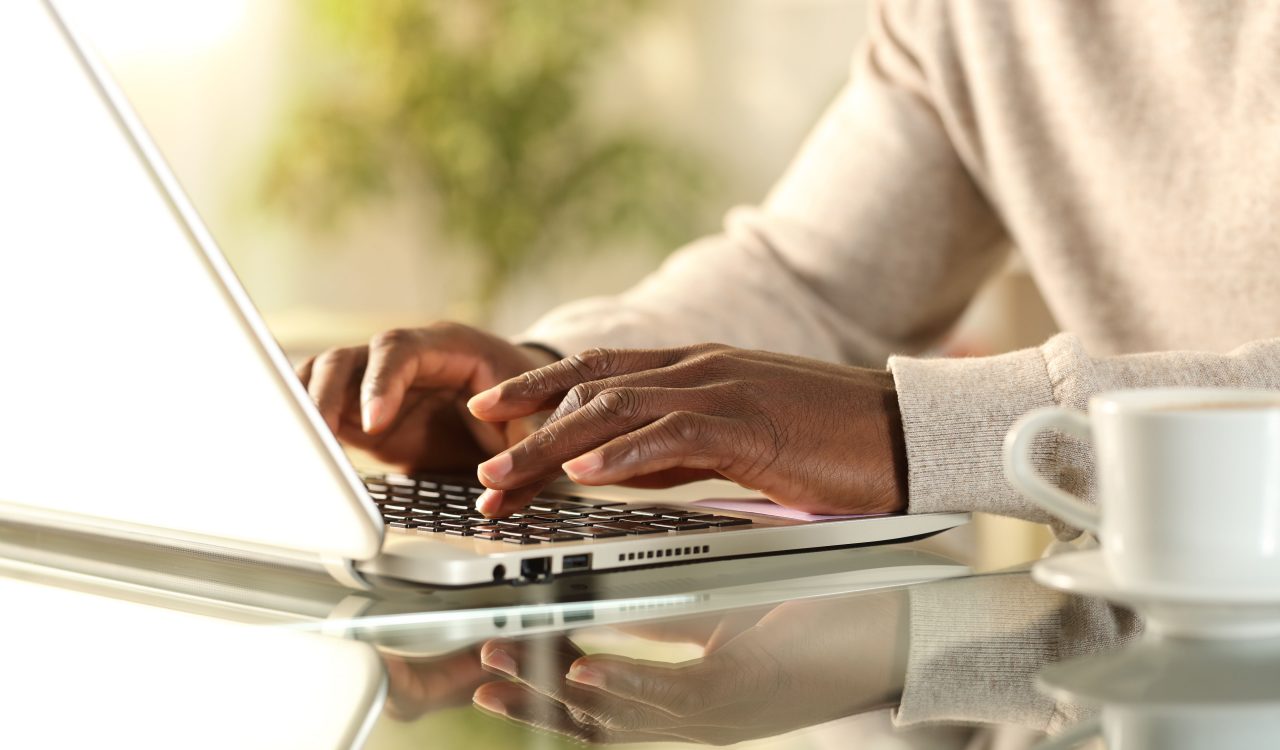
(478, 106)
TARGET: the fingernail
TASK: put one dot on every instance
(488, 503)
(371, 413)
(583, 466)
(584, 675)
(483, 400)
(496, 468)
(501, 661)
(489, 702)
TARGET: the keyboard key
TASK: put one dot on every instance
(400, 480)
(547, 506)
(404, 524)
(554, 525)
(519, 540)
(679, 525)
(658, 512)
(721, 520)
(460, 532)
(606, 514)
(593, 532)
(631, 527)
(555, 536)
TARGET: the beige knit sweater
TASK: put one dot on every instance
(1129, 149)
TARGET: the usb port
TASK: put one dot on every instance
(576, 562)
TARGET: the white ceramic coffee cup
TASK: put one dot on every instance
(1188, 484)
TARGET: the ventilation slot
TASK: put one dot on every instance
(662, 554)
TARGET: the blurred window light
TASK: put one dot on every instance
(169, 28)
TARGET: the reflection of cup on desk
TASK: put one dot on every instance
(1188, 485)
(1171, 694)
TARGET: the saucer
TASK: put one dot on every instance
(1160, 672)
(1184, 614)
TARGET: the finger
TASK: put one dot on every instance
(416, 687)
(681, 439)
(684, 691)
(331, 379)
(733, 625)
(304, 370)
(502, 503)
(521, 704)
(544, 387)
(534, 660)
(614, 412)
(401, 359)
(538, 662)
(541, 665)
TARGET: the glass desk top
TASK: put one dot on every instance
(881, 647)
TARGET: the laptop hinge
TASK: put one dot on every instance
(344, 572)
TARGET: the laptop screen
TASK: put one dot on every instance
(139, 391)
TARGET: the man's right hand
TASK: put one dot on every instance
(402, 398)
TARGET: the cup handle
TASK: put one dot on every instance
(1022, 474)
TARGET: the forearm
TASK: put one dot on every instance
(873, 241)
(955, 413)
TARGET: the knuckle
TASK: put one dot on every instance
(530, 382)
(330, 357)
(616, 405)
(595, 362)
(623, 717)
(577, 397)
(391, 339)
(448, 328)
(541, 441)
(685, 427)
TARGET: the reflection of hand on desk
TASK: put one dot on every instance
(419, 686)
(763, 672)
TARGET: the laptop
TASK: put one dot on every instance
(143, 398)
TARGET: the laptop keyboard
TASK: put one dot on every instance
(448, 506)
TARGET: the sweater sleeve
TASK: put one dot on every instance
(955, 414)
(977, 644)
(872, 242)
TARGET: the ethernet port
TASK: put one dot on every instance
(535, 568)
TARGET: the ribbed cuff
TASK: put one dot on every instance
(976, 646)
(955, 413)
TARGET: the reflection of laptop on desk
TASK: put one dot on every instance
(128, 335)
